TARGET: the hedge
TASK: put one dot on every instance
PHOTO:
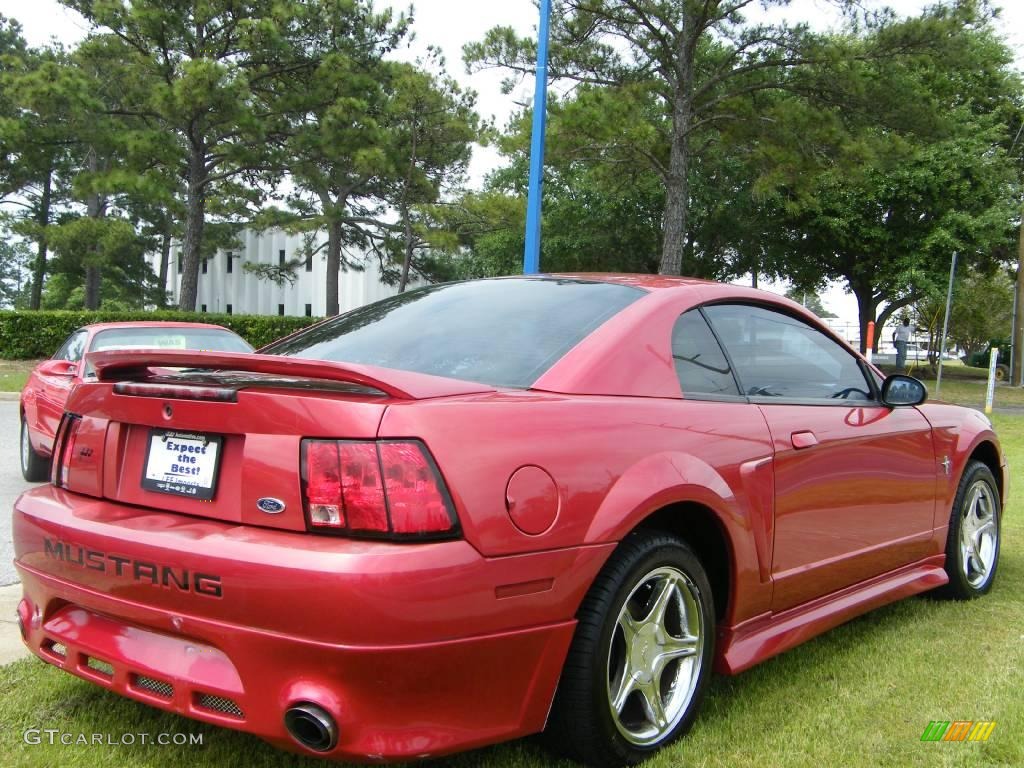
(34, 335)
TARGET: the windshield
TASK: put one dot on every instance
(503, 332)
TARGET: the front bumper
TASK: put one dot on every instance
(415, 650)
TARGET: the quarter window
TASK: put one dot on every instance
(778, 356)
(700, 365)
(72, 349)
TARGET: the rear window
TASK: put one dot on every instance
(206, 339)
(504, 332)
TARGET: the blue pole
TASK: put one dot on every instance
(531, 256)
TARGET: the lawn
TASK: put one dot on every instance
(860, 695)
(14, 373)
(966, 386)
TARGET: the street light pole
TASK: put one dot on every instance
(531, 255)
(945, 324)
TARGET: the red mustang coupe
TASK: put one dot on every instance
(477, 511)
(48, 386)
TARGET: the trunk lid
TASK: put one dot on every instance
(239, 417)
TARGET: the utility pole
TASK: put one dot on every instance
(945, 324)
(531, 255)
(1018, 312)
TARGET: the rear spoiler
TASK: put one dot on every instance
(124, 365)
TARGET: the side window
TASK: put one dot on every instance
(780, 356)
(72, 349)
(701, 366)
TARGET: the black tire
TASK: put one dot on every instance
(1002, 372)
(34, 468)
(584, 723)
(972, 554)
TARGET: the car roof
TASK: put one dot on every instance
(94, 327)
(644, 281)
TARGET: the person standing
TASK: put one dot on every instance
(901, 340)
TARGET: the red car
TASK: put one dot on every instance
(480, 510)
(48, 386)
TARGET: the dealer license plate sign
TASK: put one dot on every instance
(182, 463)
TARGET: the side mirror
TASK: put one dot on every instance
(58, 368)
(900, 390)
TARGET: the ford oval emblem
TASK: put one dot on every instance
(270, 506)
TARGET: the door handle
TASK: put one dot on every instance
(803, 440)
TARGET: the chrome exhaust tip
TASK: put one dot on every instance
(311, 726)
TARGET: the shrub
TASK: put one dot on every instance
(33, 335)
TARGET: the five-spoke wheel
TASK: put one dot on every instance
(655, 655)
(641, 656)
(972, 550)
(979, 534)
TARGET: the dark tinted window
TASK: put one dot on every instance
(500, 332)
(700, 364)
(209, 339)
(779, 356)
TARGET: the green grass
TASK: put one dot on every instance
(965, 385)
(972, 393)
(860, 695)
(14, 374)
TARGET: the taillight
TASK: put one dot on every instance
(64, 449)
(384, 489)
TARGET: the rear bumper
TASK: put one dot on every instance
(415, 651)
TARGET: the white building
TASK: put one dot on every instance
(225, 286)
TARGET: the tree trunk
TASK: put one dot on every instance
(93, 207)
(165, 260)
(333, 267)
(406, 219)
(195, 219)
(677, 189)
(891, 309)
(409, 246)
(43, 220)
(866, 307)
(677, 181)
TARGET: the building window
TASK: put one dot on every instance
(280, 258)
(205, 265)
(309, 310)
(231, 262)
(309, 261)
(229, 309)
(202, 307)
(280, 309)
(180, 262)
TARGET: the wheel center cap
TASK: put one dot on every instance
(643, 651)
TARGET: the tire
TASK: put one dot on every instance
(1002, 372)
(603, 716)
(34, 468)
(972, 547)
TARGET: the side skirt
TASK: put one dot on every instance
(768, 635)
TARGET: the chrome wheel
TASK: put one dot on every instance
(979, 534)
(655, 656)
(26, 448)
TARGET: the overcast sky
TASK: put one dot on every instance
(450, 24)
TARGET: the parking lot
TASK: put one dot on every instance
(11, 485)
